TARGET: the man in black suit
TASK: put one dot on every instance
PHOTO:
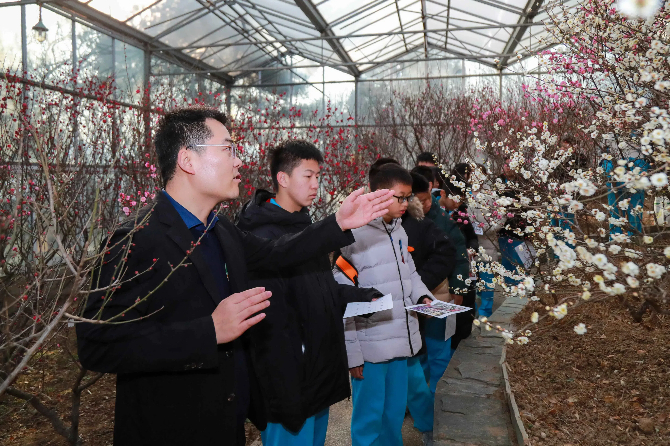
(174, 340)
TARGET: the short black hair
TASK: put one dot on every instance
(389, 175)
(184, 127)
(451, 189)
(425, 157)
(439, 179)
(374, 168)
(419, 184)
(461, 170)
(288, 154)
(425, 172)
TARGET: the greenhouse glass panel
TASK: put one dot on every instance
(10, 39)
(50, 60)
(342, 98)
(94, 54)
(120, 10)
(129, 72)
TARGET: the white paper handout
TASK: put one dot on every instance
(526, 253)
(359, 308)
(438, 309)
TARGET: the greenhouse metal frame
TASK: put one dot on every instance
(326, 46)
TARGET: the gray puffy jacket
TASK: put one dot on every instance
(381, 258)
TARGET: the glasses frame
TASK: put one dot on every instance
(231, 148)
(401, 200)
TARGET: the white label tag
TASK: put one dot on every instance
(479, 230)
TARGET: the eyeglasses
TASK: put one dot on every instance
(232, 150)
(401, 200)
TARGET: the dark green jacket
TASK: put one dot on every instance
(443, 221)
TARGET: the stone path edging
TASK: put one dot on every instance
(472, 405)
(517, 423)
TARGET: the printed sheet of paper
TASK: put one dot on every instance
(526, 253)
(359, 308)
(438, 309)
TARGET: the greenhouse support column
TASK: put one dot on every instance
(24, 42)
(75, 99)
(463, 73)
(115, 123)
(229, 93)
(500, 84)
(356, 100)
(146, 109)
(290, 72)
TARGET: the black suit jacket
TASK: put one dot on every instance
(175, 385)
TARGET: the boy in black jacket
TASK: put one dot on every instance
(458, 211)
(298, 350)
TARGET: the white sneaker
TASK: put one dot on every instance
(428, 438)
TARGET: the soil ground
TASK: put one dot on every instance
(608, 386)
(51, 376)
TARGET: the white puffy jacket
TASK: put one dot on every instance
(381, 258)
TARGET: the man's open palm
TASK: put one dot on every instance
(359, 209)
(237, 313)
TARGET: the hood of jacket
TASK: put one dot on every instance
(259, 212)
(415, 209)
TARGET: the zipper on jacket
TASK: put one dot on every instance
(409, 334)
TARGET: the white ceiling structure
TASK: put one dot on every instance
(230, 38)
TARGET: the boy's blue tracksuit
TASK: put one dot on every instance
(439, 331)
(298, 351)
(312, 432)
(383, 342)
(435, 256)
(617, 193)
(486, 295)
(512, 235)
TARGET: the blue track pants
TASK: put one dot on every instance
(437, 349)
(420, 401)
(379, 401)
(312, 433)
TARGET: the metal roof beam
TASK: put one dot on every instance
(321, 25)
(530, 11)
(424, 19)
(127, 32)
(355, 36)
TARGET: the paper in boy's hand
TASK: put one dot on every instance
(360, 308)
(438, 309)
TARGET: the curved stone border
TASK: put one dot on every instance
(473, 403)
(517, 423)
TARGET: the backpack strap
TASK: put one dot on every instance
(347, 269)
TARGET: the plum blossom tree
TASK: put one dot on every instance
(589, 218)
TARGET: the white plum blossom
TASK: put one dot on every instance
(560, 311)
(666, 252)
(600, 260)
(534, 317)
(580, 328)
(655, 270)
(632, 282)
(618, 288)
(659, 179)
(630, 268)
(614, 249)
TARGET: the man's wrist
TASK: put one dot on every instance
(338, 220)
